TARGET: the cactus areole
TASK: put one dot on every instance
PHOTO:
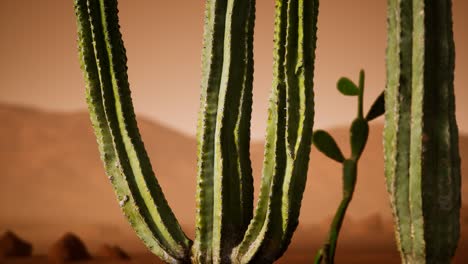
(228, 229)
(422, 163)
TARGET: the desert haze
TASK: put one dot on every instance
(53, 182)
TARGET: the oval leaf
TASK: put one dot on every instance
(359, 134)
(347, 87)
(377, 109)
(327, 145)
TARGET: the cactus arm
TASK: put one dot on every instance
(397, 118)
(212, 58)
(274, 147)
(295, 181)
(285, 168)
(122, 123)
(242, 130)
(232, 176)
(225, 190)
(121, 148)
(429, 194)
(435, 182)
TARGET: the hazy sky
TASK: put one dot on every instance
(39, 62)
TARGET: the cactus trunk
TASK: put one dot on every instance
(227, 231)
(422, 163)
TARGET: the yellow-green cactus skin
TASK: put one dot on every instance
(228, 230)
(422, 163)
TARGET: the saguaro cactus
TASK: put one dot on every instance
(227, 230)
(422, 162)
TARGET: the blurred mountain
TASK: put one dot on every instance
(53, 182)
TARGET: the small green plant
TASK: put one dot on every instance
(227, 228)
(325, 143)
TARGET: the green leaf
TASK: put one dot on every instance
(377, 109)
(325, 143)
(359, 134)
(347, 87)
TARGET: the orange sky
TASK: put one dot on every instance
(39, 64)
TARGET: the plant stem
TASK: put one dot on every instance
(361, 94)
(327, 253)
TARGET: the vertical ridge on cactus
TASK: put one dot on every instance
(422, 162)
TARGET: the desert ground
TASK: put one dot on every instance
(52, 182)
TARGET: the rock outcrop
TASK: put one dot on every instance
(112, 252)
(13, 246)
(68, 248)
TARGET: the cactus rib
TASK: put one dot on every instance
(421, 136)
(286, 155)
(104, 63)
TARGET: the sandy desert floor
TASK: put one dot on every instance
(344, 257)
(347, 255)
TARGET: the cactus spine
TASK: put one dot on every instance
(422, 162)
(227, 229)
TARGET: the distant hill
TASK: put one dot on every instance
(52, 180)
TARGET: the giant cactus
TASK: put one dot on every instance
(227, 229)
(422, 162)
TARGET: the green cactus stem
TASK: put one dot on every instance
(325, 143)
(103, 61)
(227, 229)
(225, 183)
(422, 163)
(289, 134)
